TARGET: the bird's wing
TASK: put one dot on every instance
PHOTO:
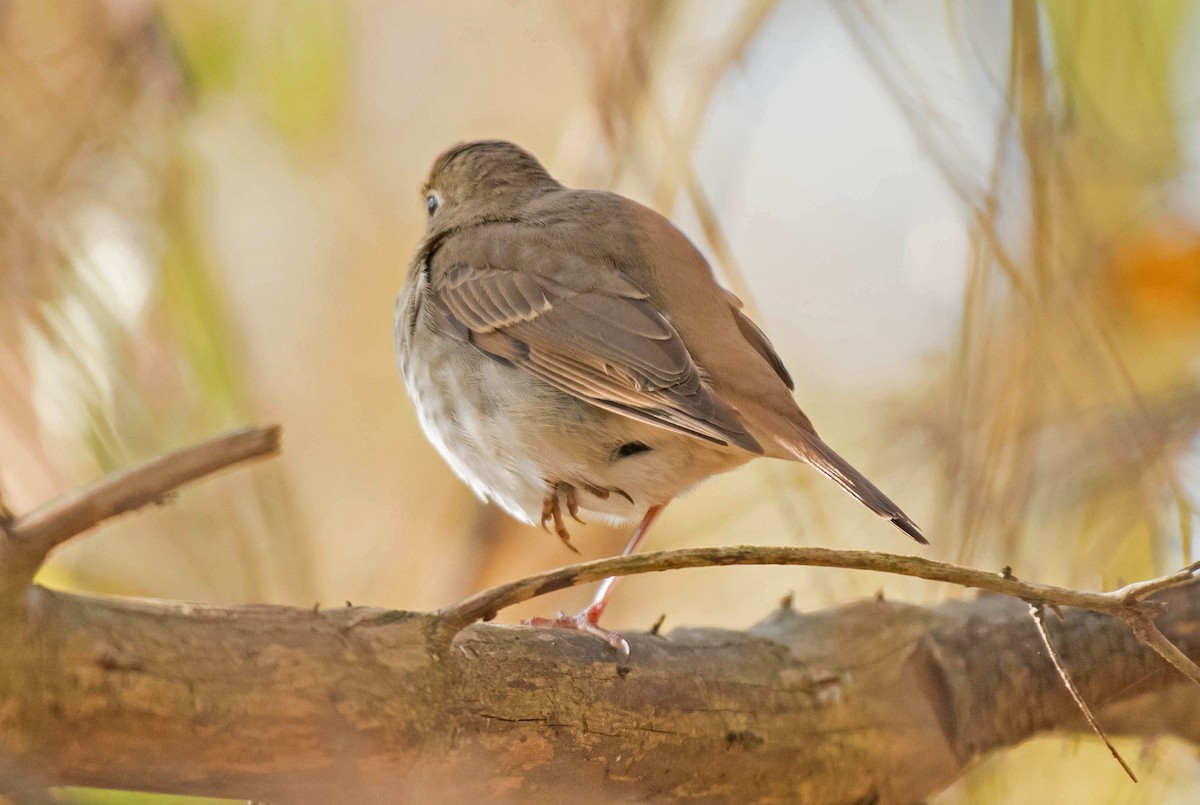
(758, 339)
(592, 334)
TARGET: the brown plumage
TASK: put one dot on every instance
(555, 338)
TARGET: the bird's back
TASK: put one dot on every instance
(738, 362)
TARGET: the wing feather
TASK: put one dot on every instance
(605, 343)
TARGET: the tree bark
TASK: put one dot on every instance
(873, 701)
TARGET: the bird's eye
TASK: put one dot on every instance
(431, 203)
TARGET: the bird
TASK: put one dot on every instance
(570, 353)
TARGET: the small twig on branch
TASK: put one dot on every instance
(26, 541)
(1144, 627)
(1038, 613)
(1141, 590)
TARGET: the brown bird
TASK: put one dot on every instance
(572, 349)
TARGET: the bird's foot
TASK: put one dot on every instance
(588, 622)
(557, 493)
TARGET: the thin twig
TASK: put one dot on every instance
(1038, 613)
(1141, 590)
(1144, 627)
(489, 602)
(29, 539)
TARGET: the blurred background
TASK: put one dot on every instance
(971, 228)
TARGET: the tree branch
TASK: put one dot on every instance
(485, 605)
(26, 541)
(1146, 631)
(872, 701)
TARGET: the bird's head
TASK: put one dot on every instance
(484, 180)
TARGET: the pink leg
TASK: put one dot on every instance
(600, 602)
(589, 620)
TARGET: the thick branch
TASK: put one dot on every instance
(869, 699)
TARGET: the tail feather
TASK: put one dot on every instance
(809, 447)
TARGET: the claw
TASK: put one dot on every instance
(549, 504)
(552, 510)
(595, 490)
(573, 505)
(560, 528)
(604, 493)
(562, 490)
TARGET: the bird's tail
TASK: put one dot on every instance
(807, 446)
